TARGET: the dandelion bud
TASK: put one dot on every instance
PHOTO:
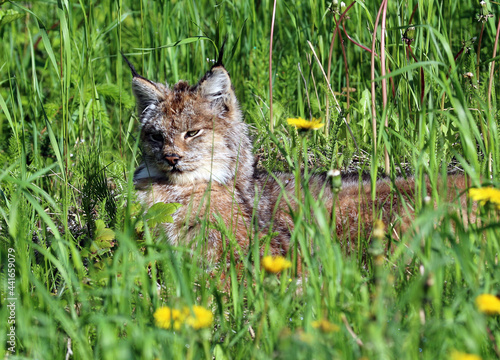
(484, 8)
(483, 14)
(336, 180)
(410, 33)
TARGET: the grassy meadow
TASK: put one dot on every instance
(83, 270)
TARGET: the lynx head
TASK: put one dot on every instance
(192, 134)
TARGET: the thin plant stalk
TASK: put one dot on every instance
(333, 94)
(346, 65)
(479, 49)
(307, 92)
(384, 81)
(492, 69)
(309, 61)
(490, 84)
(391, 79)
(327, 127)
(374, 109)
(455, 58)
(413, 13)
(329, 68)
(271, 122)
(355, 42)
(422, 78)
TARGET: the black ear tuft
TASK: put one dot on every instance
(132, 68)
(221, 53)
(146, 92)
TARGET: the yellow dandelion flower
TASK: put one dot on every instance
(485, 194)
(302, 124)
(168, 318)
(457, 355)
(325, 326)
(275, 264)
(199, 317)
(488, 304)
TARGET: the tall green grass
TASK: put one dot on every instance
(68, 148)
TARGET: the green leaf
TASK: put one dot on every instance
(408, 68)
(139, 226)
(179, 42)
(365, 102)
(103, 237)
(160, 213)
(8, 16)
(84, 253)
(219, 353)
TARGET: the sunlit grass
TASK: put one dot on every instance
(68, 135)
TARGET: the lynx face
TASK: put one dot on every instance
(193, 134)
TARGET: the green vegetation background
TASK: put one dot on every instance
(89, 269)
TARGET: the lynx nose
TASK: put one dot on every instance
(172, 159)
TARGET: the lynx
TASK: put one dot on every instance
(197, 152)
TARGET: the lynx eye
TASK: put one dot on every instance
(193, 133)
(156, 137)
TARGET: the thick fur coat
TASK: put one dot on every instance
(197, 152)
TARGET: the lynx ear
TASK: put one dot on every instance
(146, 92)
(217, 88)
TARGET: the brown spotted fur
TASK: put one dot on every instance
(215, 177)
